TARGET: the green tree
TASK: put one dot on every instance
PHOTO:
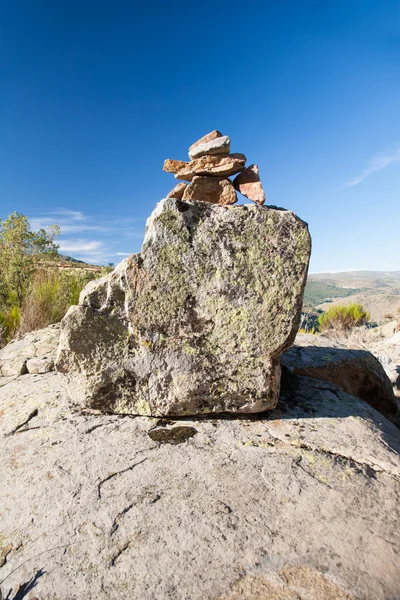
(20, 252)
(343, 317)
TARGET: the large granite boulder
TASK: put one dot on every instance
(357, 372)
(300, 503)
(197, 321)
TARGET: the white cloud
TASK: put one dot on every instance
(92, 246)
(75, 215)
(376, 164)
(77, 231)
(80, 228)
(65, 226)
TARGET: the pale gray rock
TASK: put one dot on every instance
(197, 321)
(219, 145)
(301, 502)
(392, 370)
(39, 365)
(206, 138)
(34, 353)
(357, 372)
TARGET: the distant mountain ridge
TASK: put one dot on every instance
(377, 291)
(359, 279)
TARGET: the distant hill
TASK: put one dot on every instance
(71, 259)
(377, 291)
(359, 279)
(317, 292)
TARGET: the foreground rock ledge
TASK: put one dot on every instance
(301, 503)
(197, 321)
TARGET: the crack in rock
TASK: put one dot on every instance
(112, 475)
(123, 512)
(118, 553)
(32, 415)
(368, 466)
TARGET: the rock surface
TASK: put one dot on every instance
(206, 138)
(220, 166)
(214, 190)
(248, 183)
(35, 353)
(218, 145)
(178, 191)
(357, 372)
(299, 503)
(197, 321)
(173, 166)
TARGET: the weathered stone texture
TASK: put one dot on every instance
(248, 183)
(357, 372)
(177, 191)
(215, 190)
(206, 138)
(173, 166)
(220, 166)
(34, 353)
(197, 321)
(219, 145)
(298, 504)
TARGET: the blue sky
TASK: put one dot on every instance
(95, 95)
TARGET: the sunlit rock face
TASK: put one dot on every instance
(196, 322)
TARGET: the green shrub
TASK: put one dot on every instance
(343, 317)
(51, 294)
(9, 323)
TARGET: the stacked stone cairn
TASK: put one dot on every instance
(196, 322)
(209, 170)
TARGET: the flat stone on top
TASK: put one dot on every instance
(206, 138)
(220, 145)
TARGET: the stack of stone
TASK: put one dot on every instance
(209, 170)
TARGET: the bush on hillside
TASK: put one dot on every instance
(33, 292)
(343, 318)
(50, 295)
(20, 252)
(9, 323)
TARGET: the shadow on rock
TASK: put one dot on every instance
(357, 372)
(24, 588)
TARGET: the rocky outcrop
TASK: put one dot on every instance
(197, 321)
(301, 502)
(35, 353)
(357, 372)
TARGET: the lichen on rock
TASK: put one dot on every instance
(196, 322)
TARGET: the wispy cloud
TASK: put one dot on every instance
(376, 164)
(64, 224)
(75, 215)
(96, 239)
(80, 245)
